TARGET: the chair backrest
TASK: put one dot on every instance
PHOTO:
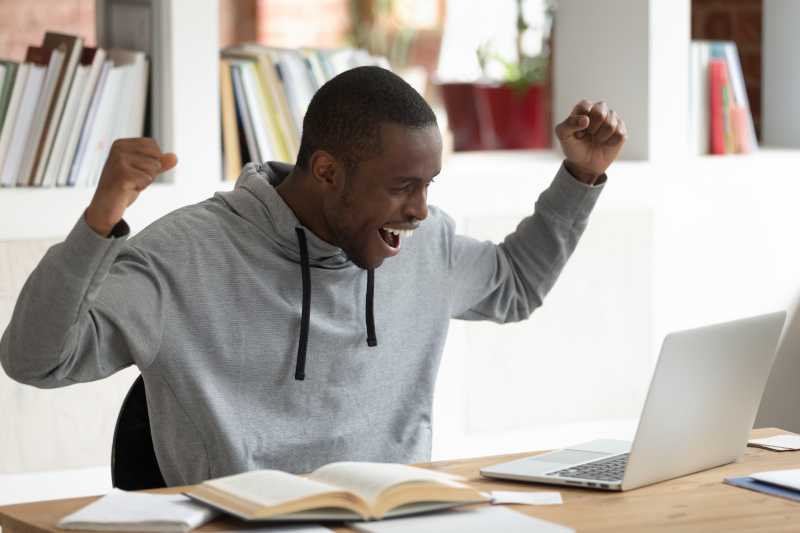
(133, 460)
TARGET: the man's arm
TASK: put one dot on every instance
(93, 304)
(506, 282)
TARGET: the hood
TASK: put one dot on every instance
(255, 199)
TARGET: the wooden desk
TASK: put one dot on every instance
(699, 502)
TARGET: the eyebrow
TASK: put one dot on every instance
(417, 178)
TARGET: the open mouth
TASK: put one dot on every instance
(392, 236)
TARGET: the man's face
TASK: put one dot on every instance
(387, 192)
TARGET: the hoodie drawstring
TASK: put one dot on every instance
(372, 340)
(302, 344)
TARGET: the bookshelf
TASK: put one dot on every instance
(185, 88)
(646, 82)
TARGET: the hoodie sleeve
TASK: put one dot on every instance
(91, 307)
(506, 282)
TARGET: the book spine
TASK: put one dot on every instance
(716, 68)
(9, 124)
(736, 78)
(95, 59)
(88, 124)
(230, 138)
(244, 114)
(72, 47)
(8, 86)
(741, 135)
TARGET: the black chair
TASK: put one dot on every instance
(133, 460)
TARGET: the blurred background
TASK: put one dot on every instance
(441, 47)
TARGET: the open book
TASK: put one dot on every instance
(336, 491)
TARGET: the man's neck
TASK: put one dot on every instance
(304, 203)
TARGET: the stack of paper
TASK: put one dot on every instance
(782, 483)
(779, 443)
(132, 511)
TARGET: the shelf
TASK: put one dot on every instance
(477, 184)
(471, 184)
(33, 213)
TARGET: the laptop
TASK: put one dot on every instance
(698, 414)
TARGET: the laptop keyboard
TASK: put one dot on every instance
(609, 469)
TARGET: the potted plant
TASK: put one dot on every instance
(515, 113)
(508, 111)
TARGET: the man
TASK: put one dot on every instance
(266, 333)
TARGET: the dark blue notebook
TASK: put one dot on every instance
(767, 488)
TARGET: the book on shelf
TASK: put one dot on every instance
(250, 150)
(265, 92)
(80, 94)
(72, 46)
(336, 491)
(54, 67)
(720, 120)
(6, 85)
(88, 125)
(12, 110)
(63, 107)
(231, 149)
(98, 137)
(266, 143)
(37, 61)
(116, 112)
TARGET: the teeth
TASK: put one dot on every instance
(403, 233)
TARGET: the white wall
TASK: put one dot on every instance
(781, 73)
(633, 54)
(52, 429)
(670, 246)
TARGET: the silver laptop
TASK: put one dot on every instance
(698, 413)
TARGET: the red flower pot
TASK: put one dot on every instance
(462, 115)
(514, 118)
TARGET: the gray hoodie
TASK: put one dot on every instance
(206, 302)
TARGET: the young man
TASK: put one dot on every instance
(266, 333)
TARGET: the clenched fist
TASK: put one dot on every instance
(591, 137)
(131, 166)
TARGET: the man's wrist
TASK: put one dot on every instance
(99, 226)
(580, 174)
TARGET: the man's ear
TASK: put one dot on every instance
(326, 171)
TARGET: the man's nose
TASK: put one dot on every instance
(417, 206)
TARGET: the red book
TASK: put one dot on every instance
(717, 79)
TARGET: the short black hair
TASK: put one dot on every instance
(345, 114)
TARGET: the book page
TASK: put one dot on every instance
(270, 487)
(370, 479)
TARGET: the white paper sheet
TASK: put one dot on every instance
(785, 478)
(482, 519)
(134, 511)
(526, 498)
(785, 442)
